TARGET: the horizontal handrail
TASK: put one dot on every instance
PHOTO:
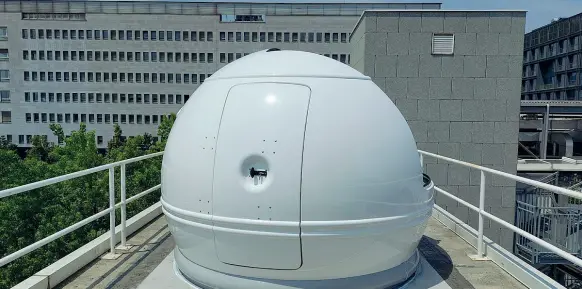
(46, 240)
(515, 229)
(109, 210)
(552, 188)
(482, 213)
(44, 183)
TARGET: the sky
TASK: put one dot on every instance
(539, 12)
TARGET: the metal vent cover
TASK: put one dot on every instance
(443, 43)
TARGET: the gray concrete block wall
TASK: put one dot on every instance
(464, 106)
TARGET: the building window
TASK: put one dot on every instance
(241, 18)
(3, 54)
(344, 37)
(54, 16)
(4, 75)
(4, 96)
(443, 43)
(3, 33)
(6, 117)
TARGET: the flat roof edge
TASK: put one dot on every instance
(445, 10)
(429, 10)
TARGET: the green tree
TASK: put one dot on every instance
(5, 144)
(34, 215)
(117, 140)
(164, 131)
(40, 148)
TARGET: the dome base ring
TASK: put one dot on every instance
(397, 277)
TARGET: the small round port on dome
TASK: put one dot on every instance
(273, 49)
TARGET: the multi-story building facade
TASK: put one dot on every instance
(133, 63)
(552, 61)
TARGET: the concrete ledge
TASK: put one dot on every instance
(57, 272)
(519, 269)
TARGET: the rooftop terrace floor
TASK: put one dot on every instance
(148, 264)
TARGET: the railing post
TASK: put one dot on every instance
(123, 245)
(112, 207)
(112, 254)
(480, 252)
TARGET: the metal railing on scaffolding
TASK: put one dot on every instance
(549, 216)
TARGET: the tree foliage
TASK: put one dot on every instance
(31, 216)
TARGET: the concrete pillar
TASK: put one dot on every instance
(545, 129)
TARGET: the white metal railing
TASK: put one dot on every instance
(110, 210)
(123, 202)
(482, 213)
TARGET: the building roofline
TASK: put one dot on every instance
(429, 11)
(205, 7)
(554, 22)
(253, 1)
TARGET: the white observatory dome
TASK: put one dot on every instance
(288, 169)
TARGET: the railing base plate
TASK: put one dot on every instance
(476, 257)
(127, 247)
(110, 256)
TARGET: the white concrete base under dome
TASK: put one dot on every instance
(167, 276)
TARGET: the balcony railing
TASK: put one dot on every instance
(545, 86)
(423, 154)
